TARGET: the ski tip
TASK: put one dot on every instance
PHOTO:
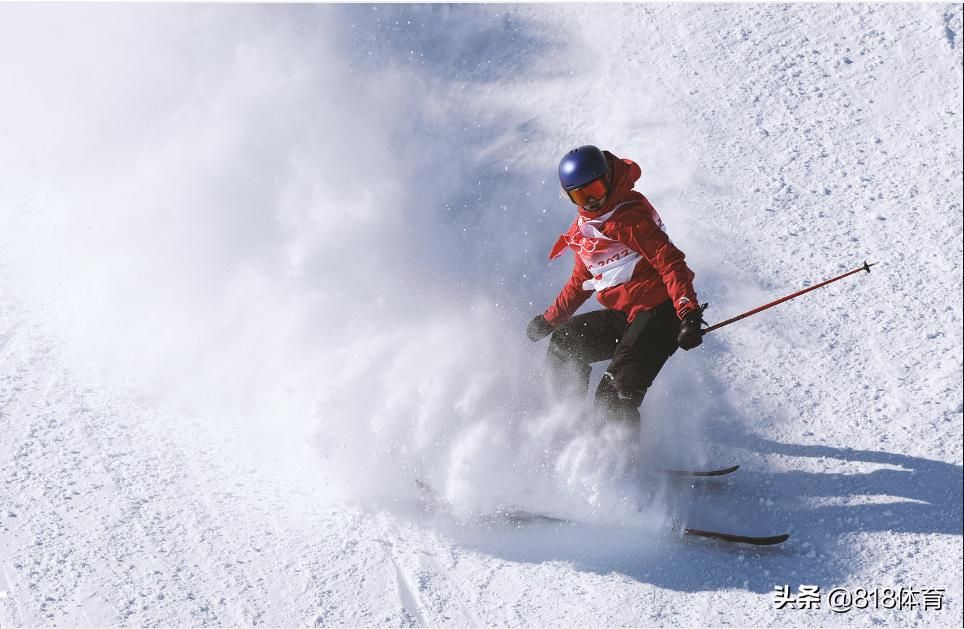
(774, 539)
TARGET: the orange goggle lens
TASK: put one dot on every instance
(592, 190)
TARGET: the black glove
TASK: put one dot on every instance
(538, 329)
(691, 332)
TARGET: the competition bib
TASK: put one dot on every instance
(610, 261)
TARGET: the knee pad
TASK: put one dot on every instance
(612, 405)
(611, 390)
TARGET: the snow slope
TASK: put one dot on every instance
(263, 267)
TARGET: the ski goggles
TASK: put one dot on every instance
(595, 189)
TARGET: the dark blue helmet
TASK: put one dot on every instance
(581, 166)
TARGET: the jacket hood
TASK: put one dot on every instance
(624, 175)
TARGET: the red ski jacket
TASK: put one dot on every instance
(622, 253)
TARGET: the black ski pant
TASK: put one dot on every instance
(637, 352)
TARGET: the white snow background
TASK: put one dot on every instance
(261, 267)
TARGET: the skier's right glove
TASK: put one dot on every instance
(691, 331)
(538, 329)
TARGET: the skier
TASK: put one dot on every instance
(622, 253)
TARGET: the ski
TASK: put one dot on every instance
(521, 517)
(756, 540)
(701, 473)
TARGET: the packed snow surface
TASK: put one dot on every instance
(265, 273)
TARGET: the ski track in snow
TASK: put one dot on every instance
(824, 136)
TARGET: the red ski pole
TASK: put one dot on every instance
(865, 267)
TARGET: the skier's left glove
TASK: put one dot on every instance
(538, 329)
(690, 331)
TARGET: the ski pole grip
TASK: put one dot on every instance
(703, 322)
